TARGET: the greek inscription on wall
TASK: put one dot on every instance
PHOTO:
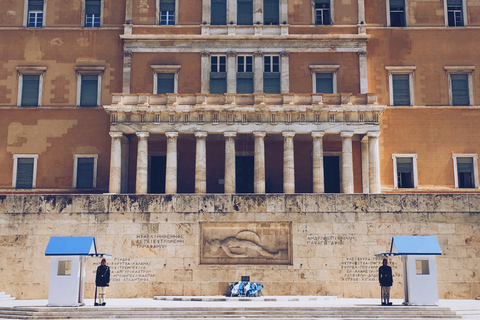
(157, 241)
(129, 270)
(329, 239)
(356, 269)
(245, 243)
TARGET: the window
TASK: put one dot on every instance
(35, 13)
(64, 268)
(422, 267)
(271, 12)
(218, 74)
(165, 78)
(245, 12)
(85, 171)
(400, 80)
(244, 74)
(405, 171)
(460, 87)
(324, 78)
(271, 74)
(30, 85)
(167, 12)
(397, 13)
(322, 12)
(89, 83)
(218, 12)
(93, 10)
(455, 16)
(24, 171)
(465, 170)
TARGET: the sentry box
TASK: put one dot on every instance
(420, 287)
(67, 269)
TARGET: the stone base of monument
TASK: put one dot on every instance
(262, 298)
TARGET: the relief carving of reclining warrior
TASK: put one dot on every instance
(242, 245)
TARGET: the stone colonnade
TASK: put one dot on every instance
(370, 162)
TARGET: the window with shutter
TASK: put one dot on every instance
(455, 13)
(324, 82)
(244, 74)
(167, 12)
(322, 12)
(405, 177)
(460, 93)
(89, 91)
(397, 13)
(271, 12)
(271, 74)
(25, 170)
(465, 173)
(85, 173)
(30, 90)
(35, 13)
(92, 13)
(245, 12)
(165, 83)
(218, 12)
(218, 74)
(401, 89)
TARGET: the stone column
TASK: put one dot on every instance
(231, 11)
(116, 163)
(362, 62)
(142, 163)
(125, 161)
(171, 172)
(205, 71)
(283, 11)
(374, 162)
(230, 183)
(288, 162)
(365, 165)
(284, 72)
(259, 186)
(317, 155)
(206, 9)
(347, 162)
(127, 70)
(258, 72)
(257, 11)
(231, 72)
(201, 163)
(128, 12)
(361, 11)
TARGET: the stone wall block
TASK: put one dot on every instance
(293, 203)
(168, 203)
(56, 204)
(97, 203)
(275, 203)
(444, 202)
(152, 203)
(3, 203)
(136, 203)
(409, 202)
(352, 202)
(206, 203)
(327, 203)
(186, 203)
(376, 202)
(250, 203)
(223, 203)
(31, 204)
(474, 202)
(80, 204)
(393, 203)
(460, 202)
(310, 202)
(119, 203)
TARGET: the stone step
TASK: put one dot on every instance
(5, 297)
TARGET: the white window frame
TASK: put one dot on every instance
(314, 15)
(75, 168)
(25, 13)
(30, 71)
(464, 13)
(271, 63)
(395, 173)
(245, 64)
(410, 70)
(159, 68)
(475, 168)
(15, 167)
(324, 68)
(89, 70)
(102, 5)
(389, 24)
(157, 10)
(468, 70)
